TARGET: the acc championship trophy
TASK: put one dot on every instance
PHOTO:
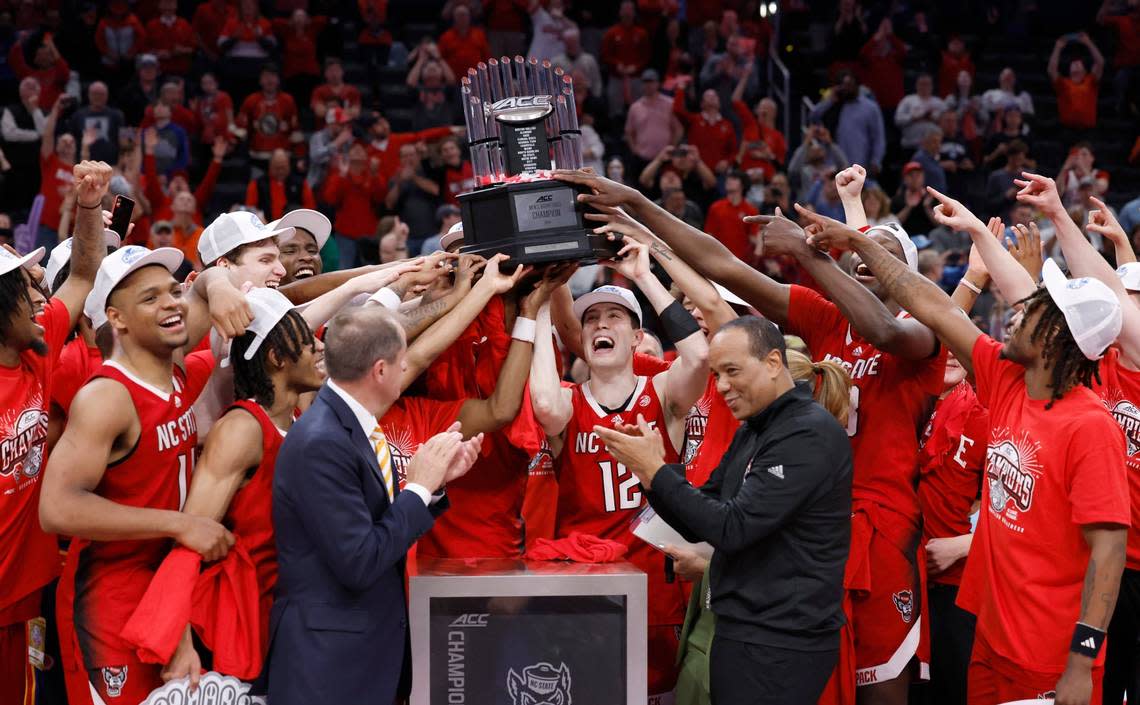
(517, 113)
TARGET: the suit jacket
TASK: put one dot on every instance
(338, 629)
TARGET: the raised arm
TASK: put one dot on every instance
(47, 142)
(700, 291)
(919, 296)
(214, 302)
(325, 306)
(1097, 69)
(1055, 59)
(700, 250)
(428, 346)
(1103, 222)
(553, 405)
(849, 183)
(88, 246)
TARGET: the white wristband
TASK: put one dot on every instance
(969, 285)
(386, 298)
(524, 330)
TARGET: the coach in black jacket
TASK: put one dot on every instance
(778, 512)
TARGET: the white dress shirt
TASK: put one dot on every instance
(368, 423)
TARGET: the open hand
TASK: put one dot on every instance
(632, 260)
(615, 220)
(606, 192)
(637, 446)
(429, 466)
(464, 458)
(553, 277)
(184, 663)
(501, 282)
(1026, 249)
(1104, 223)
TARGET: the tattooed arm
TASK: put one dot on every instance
(1107, 543)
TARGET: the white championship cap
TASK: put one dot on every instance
(313, 221)
(729, 297)
(1091, 309)
(910, 250)
(1129, 275)
(455, 232)
(9, 261)
(232, 230)
(269, 307)
(608, 294)
(116, 267)
(61, 255)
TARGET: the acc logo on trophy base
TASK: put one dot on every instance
(540, 684)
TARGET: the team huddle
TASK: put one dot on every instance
(149, 422)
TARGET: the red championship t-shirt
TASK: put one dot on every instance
(1048, 473)
(709, 429)
(950, 463)
(890, 402)
(77, 363)
(1120, 391)
(30, 557)
(599, 496)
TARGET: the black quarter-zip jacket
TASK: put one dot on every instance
(777, 509)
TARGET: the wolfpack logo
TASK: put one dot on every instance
(268, 124)
(1128, 416)
(1008, 476)
(22, 452)
(904, 603)
(114, 677)
(540, 684)
(643, 401)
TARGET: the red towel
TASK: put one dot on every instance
(577, 547)
(223, 603)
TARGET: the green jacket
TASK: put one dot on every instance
(693, 652)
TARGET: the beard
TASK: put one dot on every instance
(39, 347)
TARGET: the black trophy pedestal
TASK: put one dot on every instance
(531, 222)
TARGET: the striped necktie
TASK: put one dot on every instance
(383, 459)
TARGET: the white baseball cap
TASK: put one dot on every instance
(910, 250)
(232, 230)
(269, 307)
(608, 294)
(1091, 309)
(1129, 274)
(61, 255)
(455, 232)
(729, 297)
(116, 266)
(313, 221)
(9, 261)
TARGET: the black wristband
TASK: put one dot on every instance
(678, 323)
(1086, 640)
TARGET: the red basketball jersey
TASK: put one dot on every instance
(112, 576)
(891, 400)
(1120, 391)
(599, 496)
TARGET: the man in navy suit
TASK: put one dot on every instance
(344, 526)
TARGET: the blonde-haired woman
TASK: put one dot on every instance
(831, 383)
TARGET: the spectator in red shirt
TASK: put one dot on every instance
(355, 189)
(881, 65)
(119, 37)
(955, 58)
(299, 64)
(708, 131)
(335, 91)
(507, 23)
(268, 118)
(57, 157)
(209, 19)
(458, 176)
(463, 45)
(1127, 58)
(725, 219)
(280, 190)
(625, 52)
(214, 111)
(48, 66)
(374, 40)
(763, 148)
(385, 145)
(171, 39)
(1077, 93)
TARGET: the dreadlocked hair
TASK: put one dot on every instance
(287, 341)
(13, 291)
(1070, 366)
